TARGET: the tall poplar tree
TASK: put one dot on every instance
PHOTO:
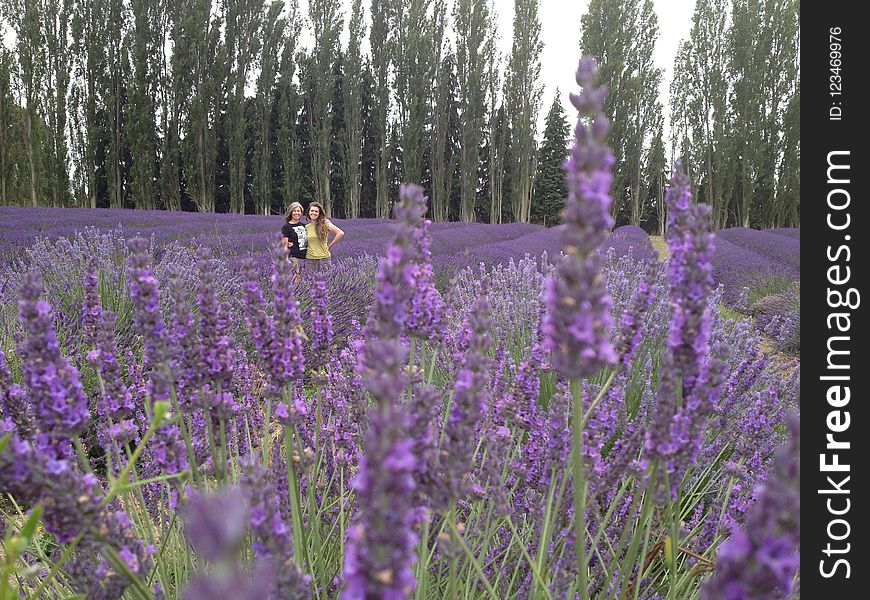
(441, 100)
(497, 139)
(144, 51)
(55, 89)
(117, 63)
(764, 69)
(381, 42)
(788, 199)
(89, 32)
(24, 17)
(326, 21)
(474, 46)
(699, 106)
(414, 29)
(523, 98)
(242, 22)
(170, 101)
(198, 58)
(289, 104)
(272, 36)
(352, 89)
(6, 130)
(621, 34)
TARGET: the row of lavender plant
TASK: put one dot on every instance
(588, 428)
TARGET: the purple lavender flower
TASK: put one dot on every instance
(273, 545)
(405, 298)
(470, 397)
(215, 524)
(115, 407)
(60, 405)
(146, 299)
(17, 411)
(427, 305)
(630, 330)
(321, 321)
(216, 352)
(576, 326)
(278, 338)
(760, 561)
(91, 308)
(690, 378)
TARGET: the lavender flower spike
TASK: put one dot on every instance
(379, 556)
(576, 326)
(687, 370)
(406, 300)
(60, 404)
(146, 298)
(761, 560)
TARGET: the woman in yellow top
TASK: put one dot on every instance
(318, 229)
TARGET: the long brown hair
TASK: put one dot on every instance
(289, 214)
(320, 222)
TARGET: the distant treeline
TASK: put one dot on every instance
(215, 105)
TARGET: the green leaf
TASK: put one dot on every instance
(161, 409)
(29, 527)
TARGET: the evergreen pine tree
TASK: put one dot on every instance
(549, 193)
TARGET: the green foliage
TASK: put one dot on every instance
(622, 36)
(474, 48)
(550, 190)
(523, 92)
(768, 287)
(149, 104)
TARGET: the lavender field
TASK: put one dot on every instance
(450, 411)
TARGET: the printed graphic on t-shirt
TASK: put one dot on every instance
(301, 236)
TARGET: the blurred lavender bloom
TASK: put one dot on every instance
(237, 584)
(273, 545)
(576, 326)
(289, 338)
(406, 300)
(17, 411)
(215, 523)
(379, 556)
(760, 560)
(73, 505)
(182, 340)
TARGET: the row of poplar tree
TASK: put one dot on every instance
(220, 105)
